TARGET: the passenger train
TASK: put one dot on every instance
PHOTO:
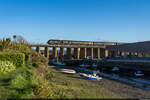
(71, 42)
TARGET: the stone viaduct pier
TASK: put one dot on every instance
(74, 49)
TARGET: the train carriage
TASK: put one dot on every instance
(70, 42)
(88, 43)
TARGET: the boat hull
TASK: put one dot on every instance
(69, 71)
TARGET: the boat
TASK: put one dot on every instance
(93, 66)
(115, 69)
(70, 71)
(57, 63)
(89, 58)
(90, 76)
(139, 73)
(84, 66)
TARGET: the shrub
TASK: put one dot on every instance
(19, 82)
(50, 76)
(4, 44)
(18, 59)
(21, 48)
(43, 90)
(38, 59)
(6, 66)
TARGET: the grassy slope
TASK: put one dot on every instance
(35, 85)
(75, 87)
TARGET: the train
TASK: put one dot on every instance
(71, 42)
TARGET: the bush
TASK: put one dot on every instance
(21, 48)
(18, 59)
(50, 76)
(42, 89)
(38, 59)
(19, 82)
(4, 44)
(6, 66)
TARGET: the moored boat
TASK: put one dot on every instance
(57, 63)
(70, 71)
(90, 76)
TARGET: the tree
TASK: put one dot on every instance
(21, 40)
(5, 44)
(14, 37)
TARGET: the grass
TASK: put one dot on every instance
(45, 82)
(16, 84)
(28, 82)
(72, 86)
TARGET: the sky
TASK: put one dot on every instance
(91, 20)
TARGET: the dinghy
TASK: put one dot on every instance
(58, 64)
(139, 73)
(90, 76)
(70, 71)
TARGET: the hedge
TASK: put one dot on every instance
(18, 59)
(6, 66)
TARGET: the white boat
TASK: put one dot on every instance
(70, 71)
(115, 69)
(90, 76)
(138, 73)
(89, 58)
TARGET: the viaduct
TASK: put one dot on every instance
(76, 49)
(82, 49)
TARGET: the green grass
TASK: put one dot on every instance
(37, 82)
(72, 86)
(16, 84)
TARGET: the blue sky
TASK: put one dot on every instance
(94, 20)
